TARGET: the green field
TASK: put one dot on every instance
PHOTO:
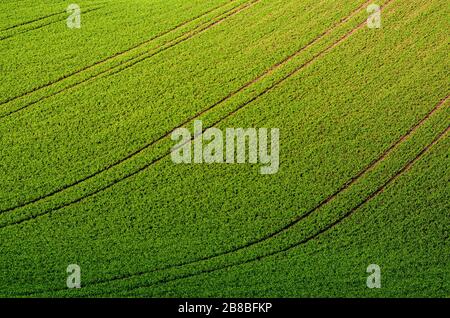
(86, 117)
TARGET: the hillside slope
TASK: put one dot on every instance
(86, 118)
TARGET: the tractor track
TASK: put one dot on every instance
(43, 18)
(42, 26)
(31, 21)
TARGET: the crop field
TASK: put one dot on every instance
(87, 119)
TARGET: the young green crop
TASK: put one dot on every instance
(350, 99)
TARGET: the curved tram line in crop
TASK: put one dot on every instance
(371, 196)
(322, 231)
(20, 24)
(31, 21)
(159, 49)
(196, 116)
